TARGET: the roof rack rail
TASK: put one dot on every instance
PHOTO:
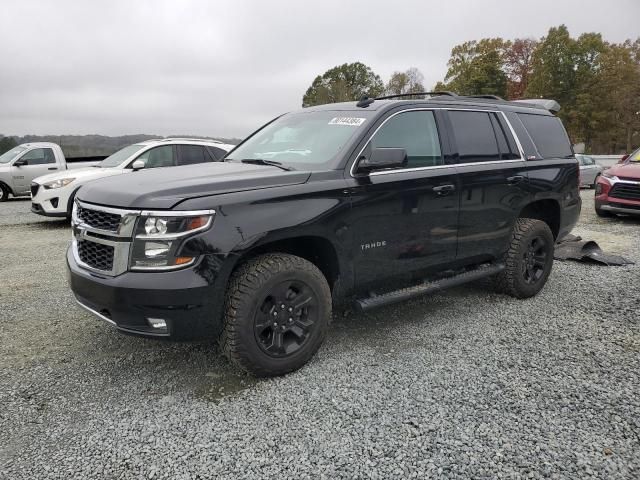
(191, 139)
(400, 95)
(488, 97)
(365, 101)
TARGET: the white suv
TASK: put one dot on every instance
(52, 195)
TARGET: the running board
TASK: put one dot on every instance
(403, 294)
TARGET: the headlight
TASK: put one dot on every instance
(58, 183)
(158, 238)
(606, 174)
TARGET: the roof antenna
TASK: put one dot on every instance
(365, 101)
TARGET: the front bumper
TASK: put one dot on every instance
(606, 200)
(51, 202)
(185, 299)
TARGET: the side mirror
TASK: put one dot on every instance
(138, 165)
(20, 163)
(381, 158)
(624, 157)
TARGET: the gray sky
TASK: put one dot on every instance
(222, 68)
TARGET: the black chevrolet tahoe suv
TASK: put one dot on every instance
(363, 204)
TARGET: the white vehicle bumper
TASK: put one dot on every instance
(51, 202)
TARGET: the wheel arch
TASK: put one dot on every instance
(315, 249)
(547, 211)
(9, 189)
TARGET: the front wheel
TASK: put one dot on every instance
(277, 311)
(529, 259)
(4, 193)
(603, 213)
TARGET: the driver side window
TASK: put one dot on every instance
(163, 156)
(417, 133)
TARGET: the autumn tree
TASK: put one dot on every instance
(518, 65)
(410, 81)
(342, 83)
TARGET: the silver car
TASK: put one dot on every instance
(589, 170)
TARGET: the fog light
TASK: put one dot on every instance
(157, 323)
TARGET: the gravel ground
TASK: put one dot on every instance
(464, 384)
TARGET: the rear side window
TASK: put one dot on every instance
(548, 134)
(190, 154)
(475, 137)
(39, 156)
(417, 133)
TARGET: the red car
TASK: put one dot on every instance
(618, 188)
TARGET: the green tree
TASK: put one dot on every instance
(343, 83)
(6, 144)
(554, 74)
(476, 68)
(405, 82)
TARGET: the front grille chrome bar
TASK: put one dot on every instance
(127, 220)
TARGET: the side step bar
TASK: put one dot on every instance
(403, 294)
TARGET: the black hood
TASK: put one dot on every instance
(163, 188)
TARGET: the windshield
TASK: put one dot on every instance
(6, 157)
(120, 156)
(635, 156)
(305, 140)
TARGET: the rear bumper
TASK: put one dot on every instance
(134, 301)
(570, 216)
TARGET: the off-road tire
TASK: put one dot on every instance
(512, 280)
(249, 286)
(4, 193)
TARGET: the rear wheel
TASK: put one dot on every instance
(528, 261)
(277, 311)
(4, 193)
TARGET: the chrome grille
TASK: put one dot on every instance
(99, 219)
(96, 255)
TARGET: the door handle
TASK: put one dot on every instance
(444, 189)
(52, 168)
(515, 179)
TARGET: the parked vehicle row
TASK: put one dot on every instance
(22, 164)
(366, 203)
(52, 195)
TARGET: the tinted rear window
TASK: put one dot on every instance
(548, 134)
(475, 137)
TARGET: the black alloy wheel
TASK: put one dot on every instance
(286, 318)
(535, 260)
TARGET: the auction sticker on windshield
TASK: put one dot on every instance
(351, 121)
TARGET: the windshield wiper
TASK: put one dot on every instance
(262, 161)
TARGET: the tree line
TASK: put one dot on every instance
(597, 83)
